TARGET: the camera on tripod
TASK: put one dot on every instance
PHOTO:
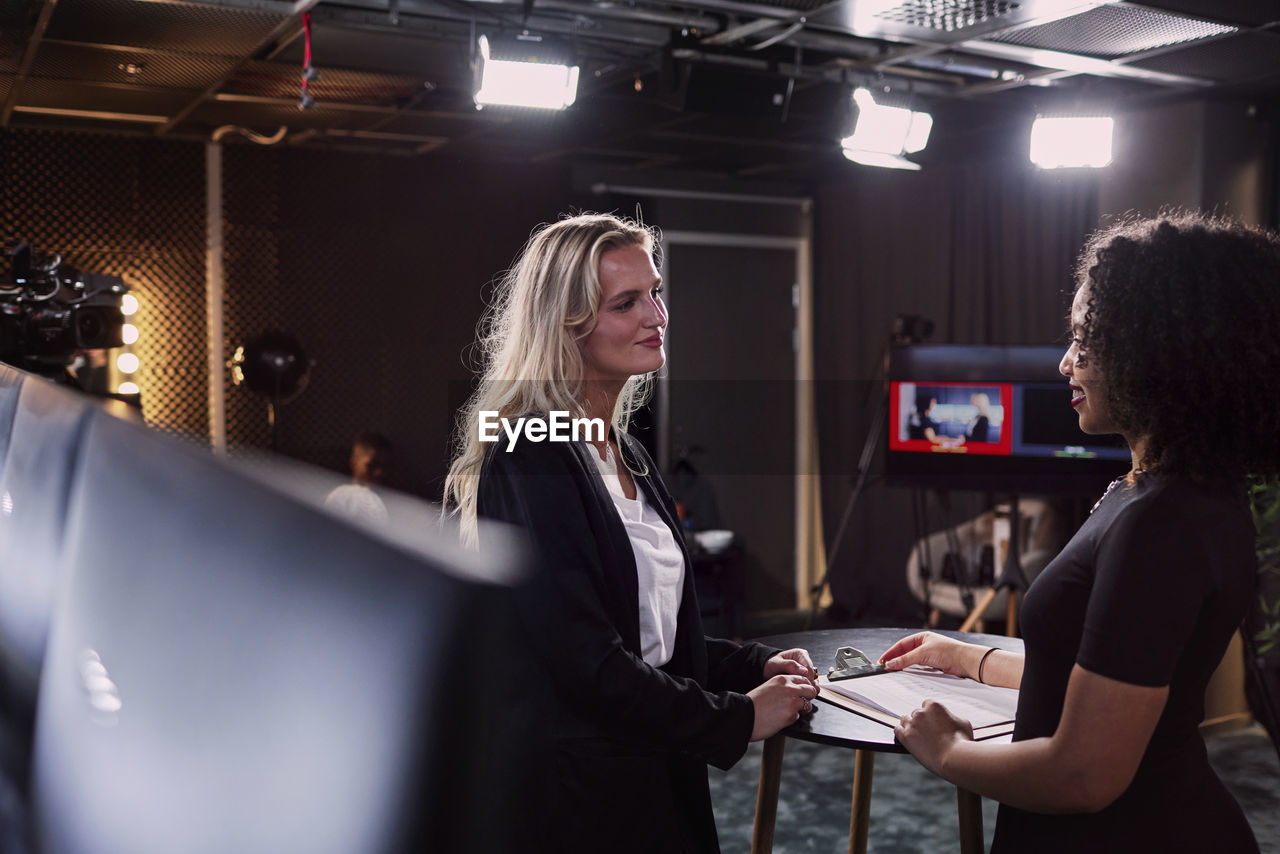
(49, 311)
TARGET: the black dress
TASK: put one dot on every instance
(624, 766)
(980, 430)
(920, 425)
(1148, 592)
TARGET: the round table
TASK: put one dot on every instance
(838, 727)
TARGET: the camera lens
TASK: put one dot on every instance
(90, 326)
(98, 327)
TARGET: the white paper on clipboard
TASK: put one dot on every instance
(897, 692)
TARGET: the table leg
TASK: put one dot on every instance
(767, 794)
(978, 610)
(970, 821)
(863, 765)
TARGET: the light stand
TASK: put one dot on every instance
(274, 365)
(864, 466)
(907, 329)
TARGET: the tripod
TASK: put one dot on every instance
(1011, 579)
(906, 329)
(864, 466)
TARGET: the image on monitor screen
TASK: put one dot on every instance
(946, 417)
(991, 418)
(1043, 427)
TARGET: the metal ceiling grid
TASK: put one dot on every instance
(145, 69)
(1112, 31)
(433, 55)
(41, 93)
(937, 23)
(12, 40)
(797, 5)
(1240, 58)
(396, 73)
(947, 15)
(266, 117)
(338, 85)
(171, 27)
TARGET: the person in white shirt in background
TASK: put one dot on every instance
(370, 456)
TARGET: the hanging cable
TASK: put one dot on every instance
(261, 139)
(785, 34)
(306, 102)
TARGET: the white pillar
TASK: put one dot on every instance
(213, 297)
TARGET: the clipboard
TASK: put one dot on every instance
(835, 689)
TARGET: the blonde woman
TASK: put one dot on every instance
(639, 701)
(979, 428)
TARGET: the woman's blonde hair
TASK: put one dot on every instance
(527, 343)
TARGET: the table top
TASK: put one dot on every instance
(840, 727)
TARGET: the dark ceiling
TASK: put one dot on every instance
(747, 88)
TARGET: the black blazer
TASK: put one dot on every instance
(628, 743)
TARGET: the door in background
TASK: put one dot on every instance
(730, 397)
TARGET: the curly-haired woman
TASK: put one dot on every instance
(638, 701)
(1175, 346)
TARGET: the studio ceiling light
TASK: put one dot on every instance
(524, 71)
(884, 134)
(1060, 142)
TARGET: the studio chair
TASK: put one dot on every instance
(950, 570)
(231, 670)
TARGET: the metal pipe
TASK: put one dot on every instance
(28, 58)
(214, 290)
(744, 9)
(782, 36)
(649, 29)
(91, 114)
(837, 72)
(741, 31)
(387, 136)
(691, 20)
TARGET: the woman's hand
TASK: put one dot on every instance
(778, 703)
(930, 732)
(791, 662)
(934, 650)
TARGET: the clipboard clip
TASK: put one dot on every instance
(852, 663)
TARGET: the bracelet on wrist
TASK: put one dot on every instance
(982, 662)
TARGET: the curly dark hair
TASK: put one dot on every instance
(1183, 317)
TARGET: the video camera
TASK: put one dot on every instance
(49, 311)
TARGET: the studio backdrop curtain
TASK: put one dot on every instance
(1015, 233)
(985, 249)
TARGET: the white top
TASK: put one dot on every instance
(659, 563)
(358, 502)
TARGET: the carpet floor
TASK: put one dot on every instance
(914, 812)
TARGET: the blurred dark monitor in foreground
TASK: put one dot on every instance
(231, 669)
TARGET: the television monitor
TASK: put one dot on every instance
(991, 418)
(39, 470)
(233, 670)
